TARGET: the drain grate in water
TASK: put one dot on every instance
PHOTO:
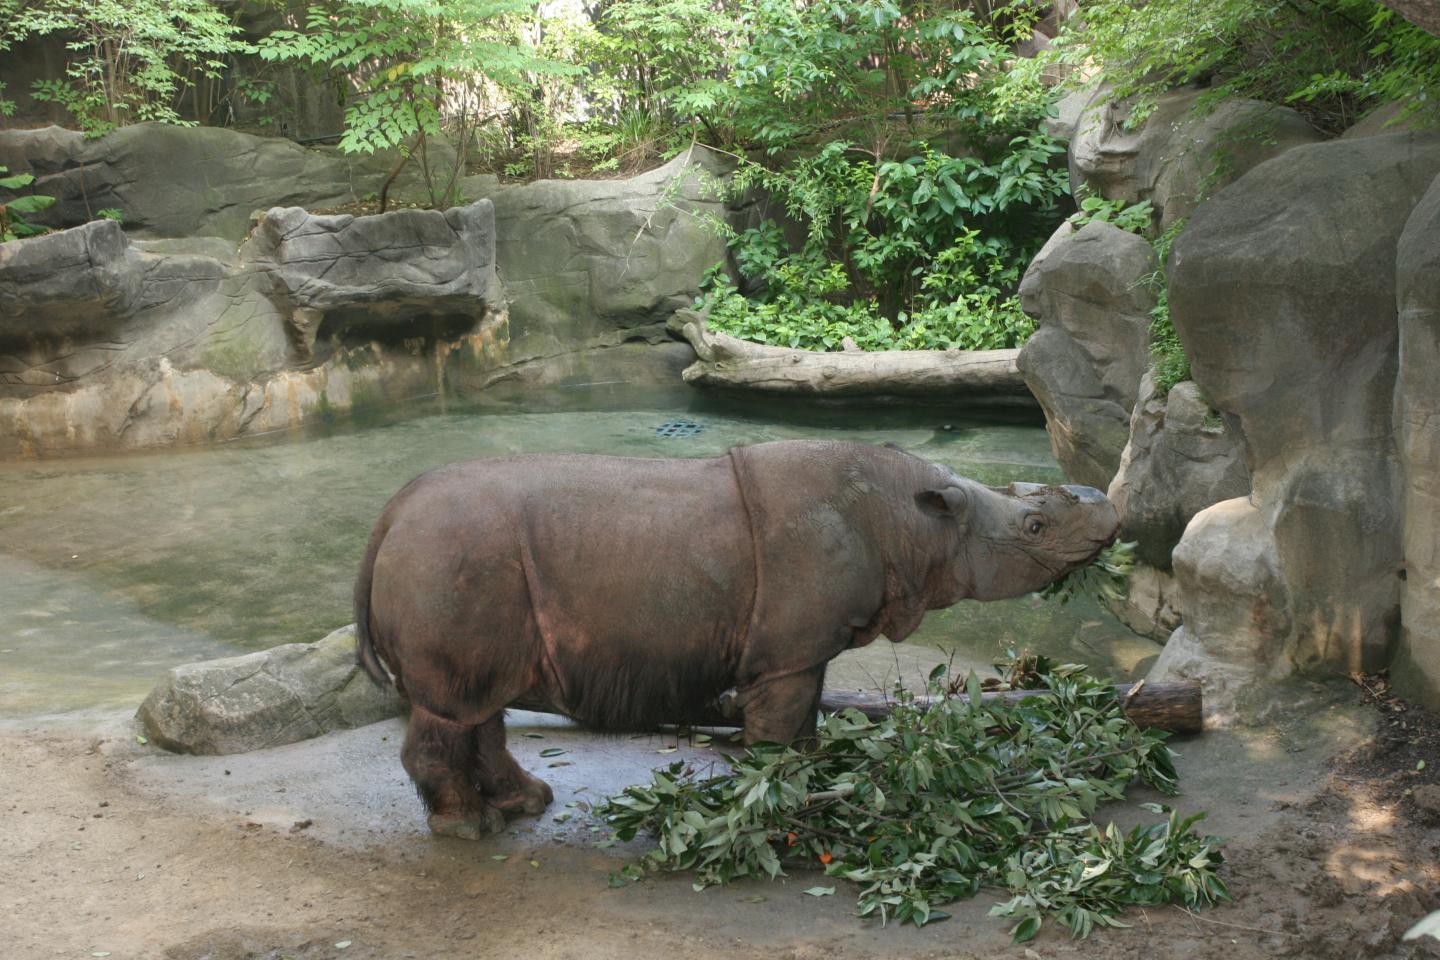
(681, 427)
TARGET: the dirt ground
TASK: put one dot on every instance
(110, 848)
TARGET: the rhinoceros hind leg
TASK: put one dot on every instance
(504, 782)
(783, 709)
(440, 756)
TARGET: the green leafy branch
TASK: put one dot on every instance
(932, 804)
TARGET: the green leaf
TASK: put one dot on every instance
(1025, 930)
(31, 204)
(821, 891)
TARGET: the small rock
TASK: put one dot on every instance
(1427, 798)
(265, 699)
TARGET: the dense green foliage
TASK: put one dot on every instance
(417, 64)
(1332, 59)
(838, 113)
(130, 60)
(937, 801)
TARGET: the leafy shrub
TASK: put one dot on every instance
(1331, 59)
(1170, 363)
(1134, 217)
(935, 802)
(13, 224)
(932, 245)
(421, 65)
(130, 59)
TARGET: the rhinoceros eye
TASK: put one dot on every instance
(1034, 526)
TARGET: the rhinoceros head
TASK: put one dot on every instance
(1014, 540)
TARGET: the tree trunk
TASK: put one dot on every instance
(989, 376)
(1176, 707)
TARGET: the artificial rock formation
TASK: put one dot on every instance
(1180, 459)
(1283, 289)
(169, 181)
(1237, 608)
(1417, 405)
(415, 272)
(106, 343)
(604, 261)
(1179, 154)
(108, 340)
(277, 696)
(1090, 295)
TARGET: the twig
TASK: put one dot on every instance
(1234, 926)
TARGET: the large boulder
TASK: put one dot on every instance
(409, 273)
(1235, 601)
(604, 261)
(278, 696)
(1417, 401)
(1180, 459)
(1090, 295)
(1283, 290)
(1179, 154)
(68, 284)
(170, 181)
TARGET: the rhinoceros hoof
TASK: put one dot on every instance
(530, 800)
(467, 826)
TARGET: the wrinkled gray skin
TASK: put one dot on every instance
(625, 592)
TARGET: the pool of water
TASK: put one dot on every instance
(113, 569)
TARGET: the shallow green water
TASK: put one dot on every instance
(113, 569)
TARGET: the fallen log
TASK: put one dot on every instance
(988, 376)
(1176, 707)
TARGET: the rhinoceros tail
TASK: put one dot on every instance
(365, 654)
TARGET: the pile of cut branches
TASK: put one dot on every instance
(930, 804)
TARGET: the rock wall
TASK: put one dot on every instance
(186, 181)
(604, 261)
(1283, 290)
(1179, 154)
(105, 343)
(1285, 501)
(165, 332)
(1417, 405)
(1089, 293)
(1180, 458)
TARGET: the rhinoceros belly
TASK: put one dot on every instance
(641, 581)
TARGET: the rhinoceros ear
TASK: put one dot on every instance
(944, 502)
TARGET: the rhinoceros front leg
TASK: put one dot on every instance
(783, 708)
(442, 758)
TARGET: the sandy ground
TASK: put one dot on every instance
(109, 847)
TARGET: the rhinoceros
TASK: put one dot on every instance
(625, 592)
